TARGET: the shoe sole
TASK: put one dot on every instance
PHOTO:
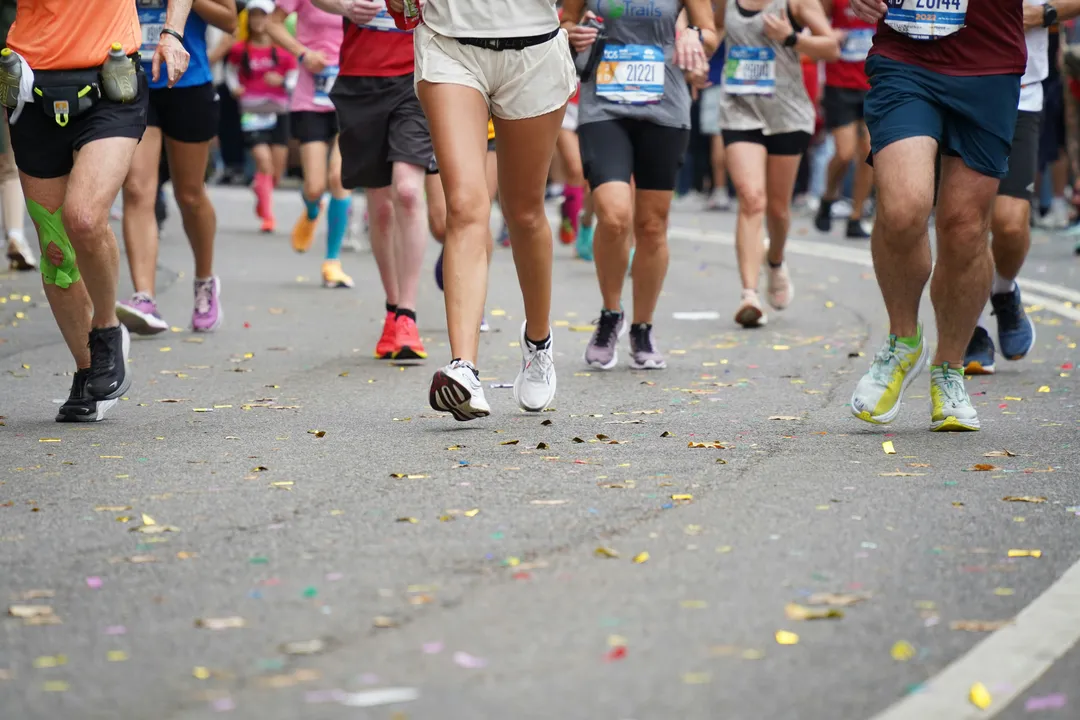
(336, 285)
(952, 424)
(649, 365)
(977, 368)
(101, 407)
(1022, 355)
(526, 408)
(408, 353)
(751, 317)
(888, 417)
(139, 322)
(212, 328)
(449, 395)
(384, 356)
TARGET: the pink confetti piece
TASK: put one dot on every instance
(116, 630)
(93, 582)
(1046, 702)
(332, 577)
(432, 648)
(465, 660)
(224, 704)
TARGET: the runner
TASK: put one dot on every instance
(575, 188)
(845, 90)
(1010, 222)
(508, 60)
(767, 118)
(19, 254)
(949, 83)
(317, 46)
(73, 136)
(386, 150)
(186, 115)
(709, 102)
(258, 74)
(635, 132)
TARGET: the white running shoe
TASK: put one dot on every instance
(781, 291)
(534, 388)
(456, 389)
(19, 254)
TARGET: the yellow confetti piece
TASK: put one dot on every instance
(1025, 553)
(513, 561)
(116, 656)
(696, 678)
(902, 651)
(147, 520)
(682, 497)
(781, 347)
(604, 552)
(407, 520)
(201, 673)
(887, 446)
(1045, 389)
(55, 686)
(50, 661)
(830, 304)
(694, 604)
(497, 313)
(1003, 591)
(165, 349)
(783, 637)
(1017, 399)
(980, 696)
(724, 549)
(641, 557)
(49, 440)
(616, 641)
(472, 513)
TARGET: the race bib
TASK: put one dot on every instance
(324, 83)
(384, 22)
(857, 45)
(926, 19)
(750, 71)
(151, 22)
(254, 122)
(631, 74)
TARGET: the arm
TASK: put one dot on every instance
(232, 80)
(280, 34)
(719, 8)
(573, 12)
(176, 15)
(822, 44)
(221, 50)
(700, 14)
(334, 7)
(221, 14)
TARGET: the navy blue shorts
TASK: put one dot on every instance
(972, 117)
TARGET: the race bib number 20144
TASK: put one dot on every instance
(926, 19)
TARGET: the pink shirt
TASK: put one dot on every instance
(323, 32)
(260, 60)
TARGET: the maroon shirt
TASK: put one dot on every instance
(990, 43)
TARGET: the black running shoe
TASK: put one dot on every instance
(108, 374)
(823, 218)
(80, 407)
(856, 230)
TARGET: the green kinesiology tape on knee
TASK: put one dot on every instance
(51, 232)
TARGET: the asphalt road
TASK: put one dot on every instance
(459, 562)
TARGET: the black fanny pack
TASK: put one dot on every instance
(64, 94)
(515, 43)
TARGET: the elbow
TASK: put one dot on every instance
(231, 25)
(833, 53)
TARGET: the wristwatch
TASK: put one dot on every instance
(1050, 15)
(791, 39)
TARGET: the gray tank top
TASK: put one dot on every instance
(763, 80)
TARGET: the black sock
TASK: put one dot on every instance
(391, 308)
(411, 314)
(538, 344)
(640, 327)
(775, 265)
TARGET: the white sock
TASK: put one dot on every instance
(982, 322)
(16, 235)
(1001, 285)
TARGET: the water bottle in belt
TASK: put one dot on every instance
(10, 78)
(119, 76)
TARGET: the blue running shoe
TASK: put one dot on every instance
(438, 270)
(583, 245)
(1016, 332)
(979, 356)
(504, 236)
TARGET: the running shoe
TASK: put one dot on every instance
(750, 314)
(880, 392)
(438, 269)
(387, 345)
(80, 405)
(456, 389)
(108, 377)
(602, 352)
(823, 217)
(140, 315)
(567, 233)
(407, 342)
(208, 314)
(643, 352)
(484, 327)
(1016, 332)
(333, 276)
(303, 233)
(534, 387)
(979, 356)
(953, 411)
(780, 289)
(504, 236)
(719, 201)
(857, 230)
(20, 256)
(268, 224)
(584, 244)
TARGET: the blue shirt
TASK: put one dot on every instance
(152, 20)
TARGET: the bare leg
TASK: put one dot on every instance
(409, 236)
(1011, 230)
(139, 223)
(651, 210)
(187, 166)
(746, 163)
(864, 175)
(846, 139)
(380, 206)
(780, 174)
(611, 244)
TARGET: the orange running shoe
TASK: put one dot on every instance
(384, 350)
(268, 224)
(409, 346)
(333, 276)
(303, 233)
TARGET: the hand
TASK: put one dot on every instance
(777, 26)
(698, 79)
(361, 12)
(1033, 16)
(237, 91)
(868, 10)
(397, 6)
(274, 79)
(172, 53)
(314, 62)
(689, 55)
(582, 37)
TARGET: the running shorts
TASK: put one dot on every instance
(519, 84)
(971, 117)
(1053, 121)
(789, 143)
(187, 114)
(45, 150)
(1024, 158)
(842, 106)
(276, 135)
(621, 149)
(308, 126)
(382, 123)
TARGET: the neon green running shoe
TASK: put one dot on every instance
(878, 395)
(953, 411)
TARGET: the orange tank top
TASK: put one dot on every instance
(73, 34)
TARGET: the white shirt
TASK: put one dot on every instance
(1038, 67)
(491, 18)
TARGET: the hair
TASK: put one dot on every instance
(245, 59)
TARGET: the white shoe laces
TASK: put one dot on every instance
(539, 366)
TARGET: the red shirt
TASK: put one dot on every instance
(848, 71)
(252, 63)
(377, 49)
(990, 43)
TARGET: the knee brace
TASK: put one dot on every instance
(51, 232)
